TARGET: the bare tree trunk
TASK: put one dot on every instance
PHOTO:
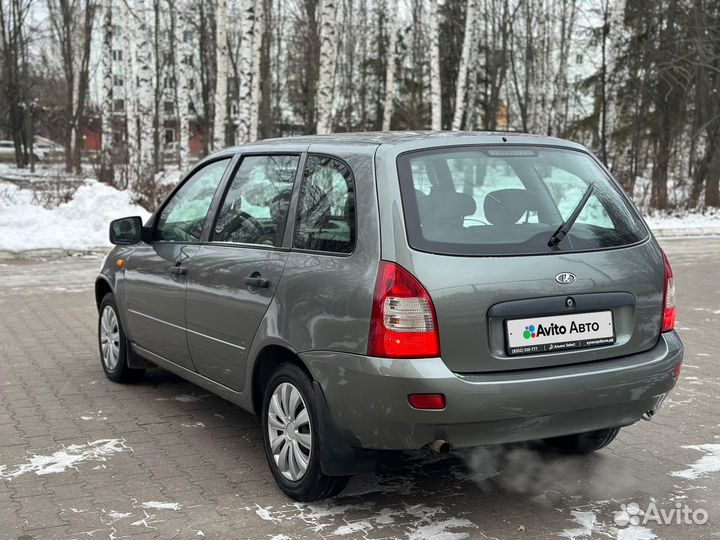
(363, 29)
(183, 95)
(106, 154)
(12, 18)
(255, 94)
(245, 69)
(561, 90)
(158, 88)
(145, 179)
(465, 60)
(266, 72)
(131, 113)
(79, 118)
(435, 84)
(327, 67)
(221, 60)
(391, 66)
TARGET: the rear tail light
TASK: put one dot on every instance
(668, 318)
(434, 402)
(403, 321)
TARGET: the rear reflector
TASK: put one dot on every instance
(668, 315)
(676, 371)
(403, 323)
(427, 401)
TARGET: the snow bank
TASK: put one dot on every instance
(684, 220)
(80, 224)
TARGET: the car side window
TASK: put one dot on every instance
(326, 209)
(183, 217)
(255, 206)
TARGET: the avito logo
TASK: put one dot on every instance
(559, 329)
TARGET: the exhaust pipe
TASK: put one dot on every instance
(648, 415)
(439, 446)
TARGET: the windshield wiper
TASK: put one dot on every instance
(565, 226)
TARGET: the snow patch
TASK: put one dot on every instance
(67, 458)
(441, 530)
(193, 425)
(79, 224)
(322, 516)
(587, 522)
(161, 505)
(709, 463)
(635, 532)
(119, 515)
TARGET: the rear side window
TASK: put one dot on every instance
(326, 209)
(510, 200)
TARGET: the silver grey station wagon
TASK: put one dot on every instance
(395, 291)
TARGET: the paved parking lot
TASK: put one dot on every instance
(81, 457)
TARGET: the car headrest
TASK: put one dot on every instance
(279, 206)
(506, 206)
(449, 204)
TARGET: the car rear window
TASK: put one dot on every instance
(509, 200)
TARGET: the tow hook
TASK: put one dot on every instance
(439, 446)
(648, 415)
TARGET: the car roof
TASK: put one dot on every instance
(391, 143)
(377, 138)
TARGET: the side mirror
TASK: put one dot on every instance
(126, 231)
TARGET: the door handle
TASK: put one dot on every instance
(178, 270)
(256, 280)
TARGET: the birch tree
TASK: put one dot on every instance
(184, 85)
(106, 154)
(391, 67)
(465, 60)
(435, 84)
(145, 99)
(221, 58)
(327, 67)
(245, 71)
(130, 88)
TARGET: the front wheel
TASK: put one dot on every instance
(583, 443)
(112, 342)
(292, 437)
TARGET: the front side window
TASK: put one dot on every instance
(326, 209)
(256, 205)
(183, 217)
(490, 200)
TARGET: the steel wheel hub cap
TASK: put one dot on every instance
(289, 431)
(109, 338)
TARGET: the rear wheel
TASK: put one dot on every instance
(113, 345)
(292, 437)
(583, 443)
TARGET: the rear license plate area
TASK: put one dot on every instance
(537, 335)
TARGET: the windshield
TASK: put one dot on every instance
(506, 200)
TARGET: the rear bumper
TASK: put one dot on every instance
(367, 397)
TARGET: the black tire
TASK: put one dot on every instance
(120, 372)
(313, 485)
(583, 443)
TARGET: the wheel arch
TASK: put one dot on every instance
(102, 287)
(268, 359)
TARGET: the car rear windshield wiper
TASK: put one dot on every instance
(565, 226)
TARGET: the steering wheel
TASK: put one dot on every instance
(237, 221)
